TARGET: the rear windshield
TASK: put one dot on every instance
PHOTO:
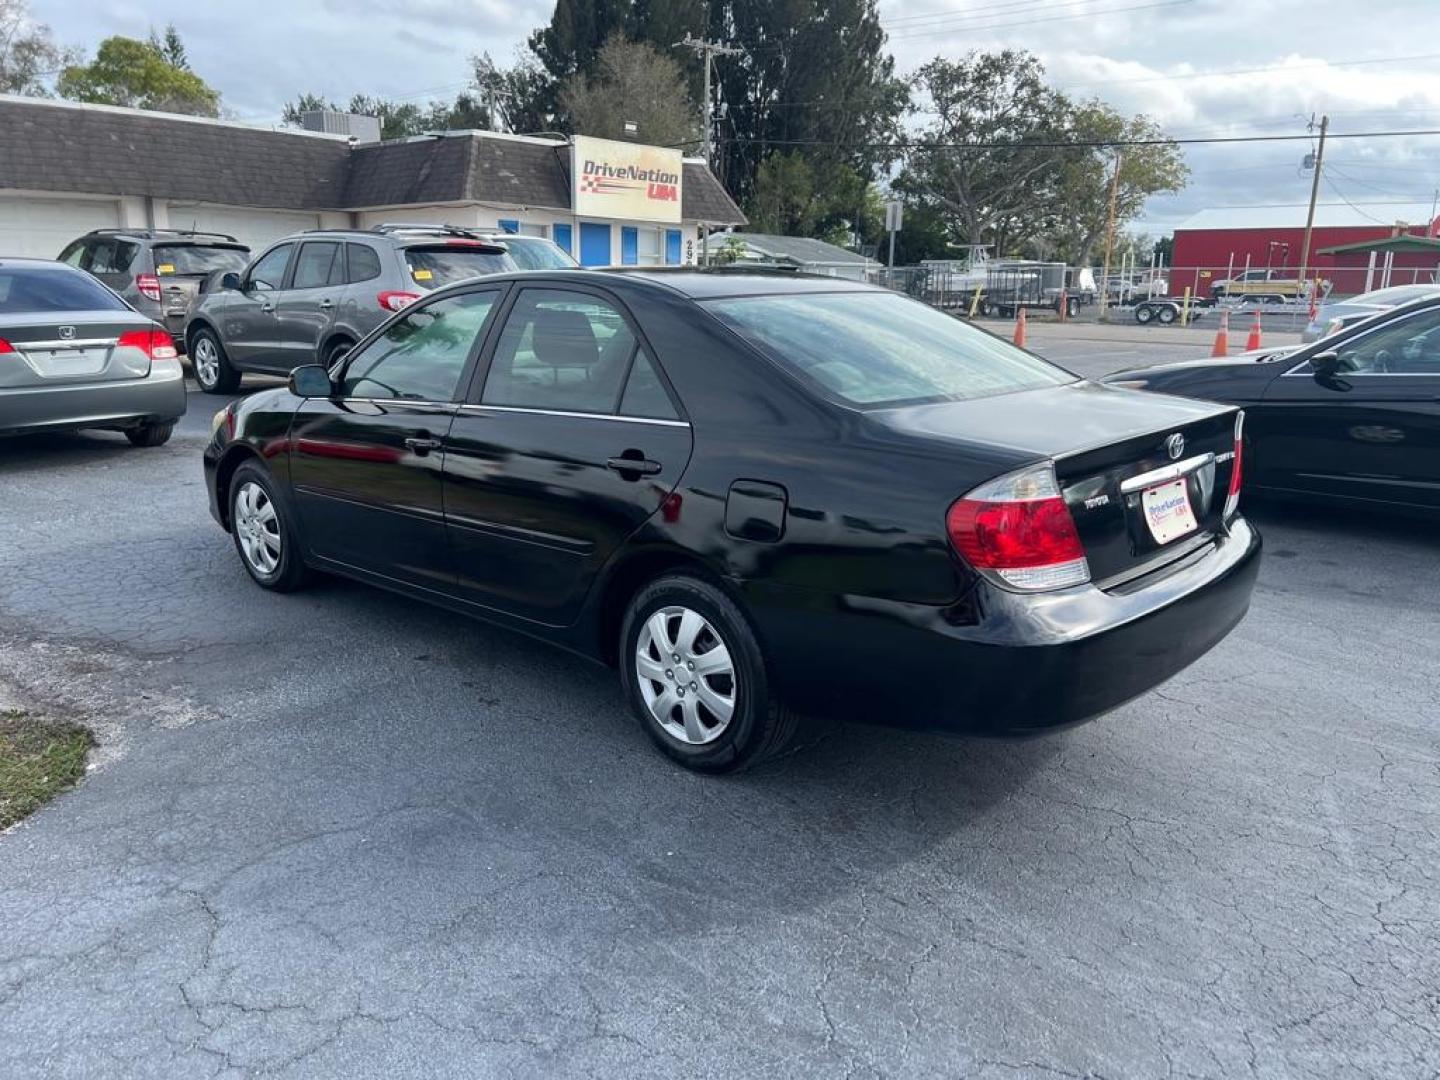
(538, 255)
(183, 260)
(882, 348)
(47, 288)
(432, 267)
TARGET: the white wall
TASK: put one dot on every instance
(39, 224)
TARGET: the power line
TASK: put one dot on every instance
(1060, 144)
(929, 32)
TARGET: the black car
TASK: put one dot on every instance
(1354, 417)
(757, 496)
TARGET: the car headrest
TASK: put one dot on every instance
(565, 339)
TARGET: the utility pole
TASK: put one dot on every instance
(1109, 236)
(709, 50)
(1314, 194)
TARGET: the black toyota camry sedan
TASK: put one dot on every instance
(757, 497)
(1353, 418)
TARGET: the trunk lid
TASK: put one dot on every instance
(1110, 447)
(75, 347)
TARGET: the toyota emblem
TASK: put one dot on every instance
(67, 333)
(1175, 446)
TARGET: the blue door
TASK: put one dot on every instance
(509, 225)
(594, 244)
(629, 246)
(564, 238)
(672, 247)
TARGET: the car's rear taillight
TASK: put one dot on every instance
(1018, 532)
(148, 285)
(6, 347)
(1232, 498)
(396, 301)
(156, 344)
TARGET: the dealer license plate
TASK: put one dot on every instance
(1167, 511)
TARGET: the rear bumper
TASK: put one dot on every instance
(158, 397)
(1004, 664)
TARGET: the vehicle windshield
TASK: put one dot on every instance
(432, 267)
(538, 255)
(51, 288)
(195, 260)
(874, 349)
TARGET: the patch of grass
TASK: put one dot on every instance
(39, 758)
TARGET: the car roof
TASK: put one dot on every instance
(31, 261)
(705, 284)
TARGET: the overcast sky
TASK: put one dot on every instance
(1200, 67)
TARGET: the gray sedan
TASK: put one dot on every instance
(1342, 313)
(74, 355)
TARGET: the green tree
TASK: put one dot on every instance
(170, 47)
(29, 57)
(134, 74)
(631, 82)
(1083, 198)
(796, 195)
(1001, 191)
(399, 119)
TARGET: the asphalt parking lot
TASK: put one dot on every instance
(339, 834)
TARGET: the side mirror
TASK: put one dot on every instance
(311, 381)
(230, 280)
(1326, 365)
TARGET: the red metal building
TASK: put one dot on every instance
(1216, 243)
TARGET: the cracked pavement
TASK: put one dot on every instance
(340, 834)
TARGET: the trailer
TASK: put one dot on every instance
(1167, 310)
(1012, 284)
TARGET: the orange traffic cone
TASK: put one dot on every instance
(1020, 327)
(1222, 336)
(1253, 341)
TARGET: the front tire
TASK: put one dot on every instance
(264, 535)
(212, 367)
(695, 678)
(154, 434)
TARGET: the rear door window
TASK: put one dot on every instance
(197, 260)
(363, 263)
(435, 265)
(111, 256)
(269, 272)
(319, 265)
(563, 351)
(645, 394)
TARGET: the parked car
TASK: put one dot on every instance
(309, 298)
(1332, 317)
(74, 355)
(756, 495)
(533, 252)
(1353, 418)
(158, 272)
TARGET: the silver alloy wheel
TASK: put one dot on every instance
(257, 526)
(206, 361)
(685, 674)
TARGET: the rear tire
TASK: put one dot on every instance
(1072, 307)
(212, 367)
(1166, 315)
(332, 354)
(263, 530)
(156, 434)
(711, 710)
(1144, 313)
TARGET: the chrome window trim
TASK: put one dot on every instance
(576, 415)
(1166, 472)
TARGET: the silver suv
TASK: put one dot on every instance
(307, 299)
(158, 272)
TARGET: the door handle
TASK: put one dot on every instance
(267, 307)
(422, 445)
(327, 304)
(636, 466)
